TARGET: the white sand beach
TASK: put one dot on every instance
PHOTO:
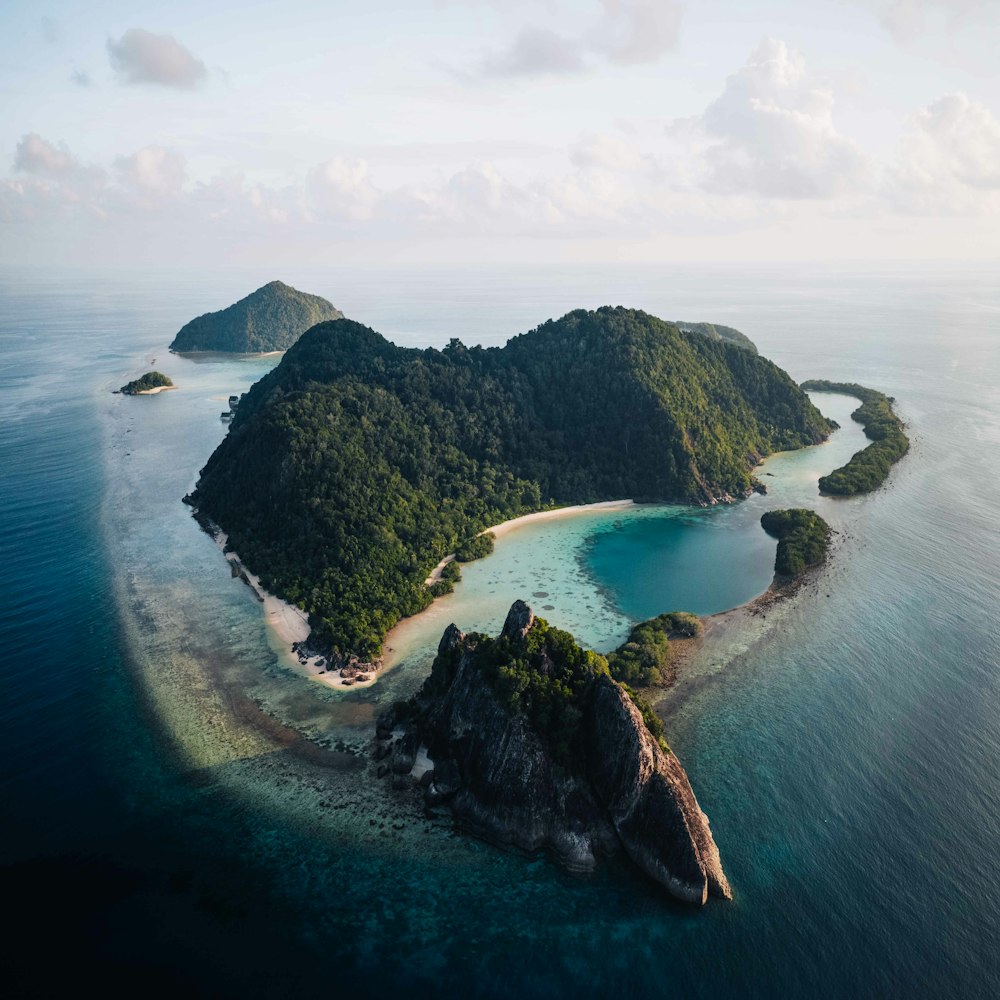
(288, 625)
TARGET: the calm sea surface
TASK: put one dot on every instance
(178, 804)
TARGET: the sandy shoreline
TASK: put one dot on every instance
(726, 635)
(289, 625)
(155, 390)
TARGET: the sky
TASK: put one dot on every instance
(480, 131)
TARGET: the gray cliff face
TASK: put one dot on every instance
(511, 791)
(649, 799)
(502, 784)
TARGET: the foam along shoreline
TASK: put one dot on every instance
(398, 639)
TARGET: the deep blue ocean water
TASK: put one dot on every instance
(849, 759)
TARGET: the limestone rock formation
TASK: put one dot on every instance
(503, 780)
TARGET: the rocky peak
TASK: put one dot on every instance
(520, 618)
(452, 637)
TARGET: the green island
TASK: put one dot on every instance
(646, 658)
(355, 465)
(869, 468)
(147, 384)
(716, 331)
(269, 319)
(803, 539)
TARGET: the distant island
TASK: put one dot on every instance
(147, 385)
(530, 742)
(868, 469)
(355, 465)
(269, 319)
(715, 331)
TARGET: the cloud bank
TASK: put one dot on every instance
(763, 153)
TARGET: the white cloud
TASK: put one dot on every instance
(36, 156)
(906, 20)
(153, 172)
(609, 152)
(81, 78)
(56, 183)
(771, 133)
(629, 32)
(638, 31)
(535, 52)
(342, 186)
(950, 161)
(140, 56)
(739, 166)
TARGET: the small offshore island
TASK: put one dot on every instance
(147, 385)
(268, 320)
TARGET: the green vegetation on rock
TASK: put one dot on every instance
(476, 547)
(269, 319)
(868, 469)
(803, 539)
(646, 658)
(354, 465)
(544, 676)
(151, 380)
(649, 717)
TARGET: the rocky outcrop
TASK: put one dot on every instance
(649, 799)
(503, 783)
(519, 620)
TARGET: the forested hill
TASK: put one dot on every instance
(355, 465)
(269, 319)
